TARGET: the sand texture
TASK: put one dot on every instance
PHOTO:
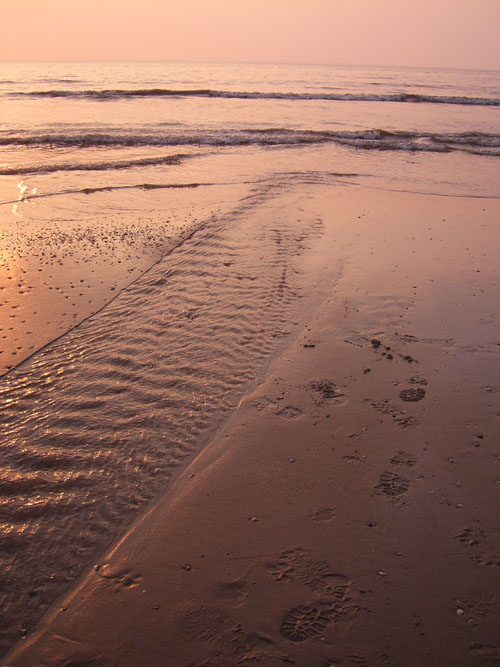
(62, 263)
(347, 512)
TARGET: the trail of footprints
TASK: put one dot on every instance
(331, 603)
(330, 588)
(394, 485)
(299, 624)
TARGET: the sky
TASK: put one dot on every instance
(419, 33)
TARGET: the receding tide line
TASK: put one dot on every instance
(109, 188)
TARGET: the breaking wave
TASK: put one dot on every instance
(114, 94)
(478, 143)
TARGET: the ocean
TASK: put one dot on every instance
(151, 263)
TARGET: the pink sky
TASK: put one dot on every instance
(435, 33)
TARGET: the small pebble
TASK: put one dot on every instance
(292, 460)
(460, 612)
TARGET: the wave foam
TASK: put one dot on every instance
(113, 94)
(471, 142)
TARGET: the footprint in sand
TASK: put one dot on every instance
(211, 625)
(285, 411)
(308, 621)
(470, 536)
(402, 459)
(392, 485)
(486, 561)
(121, 579)
(412, 395)
(416, 379)
(328, 391)
(387, 408)
(323, 515)
(208, 623)
(297, 565)
(288, 411)
(232, 592)
(358, 660)
(302, 623)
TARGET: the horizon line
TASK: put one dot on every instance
(243, 62)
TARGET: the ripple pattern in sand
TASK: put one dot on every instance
(94, 425)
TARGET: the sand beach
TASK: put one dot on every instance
(249, 362)
(346, 512)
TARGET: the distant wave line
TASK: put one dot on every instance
(113, 94)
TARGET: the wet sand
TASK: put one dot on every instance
(65, 256)
(346, 513)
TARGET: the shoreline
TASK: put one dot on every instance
(57, 276)
(344, 514)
